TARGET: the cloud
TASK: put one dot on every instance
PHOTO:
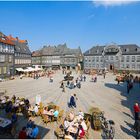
(107, 3)
(91, 16)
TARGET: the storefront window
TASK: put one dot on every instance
(2, 58)
(4, 70)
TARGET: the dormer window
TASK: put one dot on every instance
(126, 50)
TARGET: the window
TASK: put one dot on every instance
(127, 66)
(10, 58)
(133, 58)
(138, 66)
(93, 65)
(106, 57)
(72, 60)
(122, 59)
(101, 60)
(0, 71)
(127, 58)
(122, 66)
(117, 58)
(138, 58)
(93, 59)
(111, 57)
(97, 59)
(133, 66)
(2, 58)
(4, 70)
(0, 47)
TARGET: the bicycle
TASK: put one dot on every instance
(108, 130)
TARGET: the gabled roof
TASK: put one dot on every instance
(5, 40)
(60, 50)
(21, 46)
(95, 50)
(37, 53)
(16, 39)
(129, 49)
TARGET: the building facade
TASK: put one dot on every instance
(57, 56)
(6, 56)
(119, 57)
(22, 55)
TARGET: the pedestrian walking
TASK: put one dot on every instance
(136, 111)
(84, 78)
(73, 99)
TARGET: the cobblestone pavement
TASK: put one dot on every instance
(105, 94)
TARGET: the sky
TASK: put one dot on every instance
(76, 23)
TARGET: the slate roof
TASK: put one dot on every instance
(60, 50)
(97, 50)
(129, 49)
(21, 46)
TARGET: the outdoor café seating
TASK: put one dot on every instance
(70, 127)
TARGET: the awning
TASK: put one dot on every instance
(19, 69)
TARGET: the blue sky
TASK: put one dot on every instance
(83, 24)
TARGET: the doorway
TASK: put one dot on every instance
(111, 67)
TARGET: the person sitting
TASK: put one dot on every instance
(45, 111)
(66, 123)
(35, 109)
(56, 112)
(27, 103)
(81, 114)
(35, 132)
(30, 124)
(14, 117)
(71, 116)
(13, 98)
(82, 122)
(8, 108)
(81, 132)
(22, 134)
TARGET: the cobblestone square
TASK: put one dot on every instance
(105, 94)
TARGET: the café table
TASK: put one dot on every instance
(5, 124)
(72, 129)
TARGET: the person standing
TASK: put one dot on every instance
(137, 127)
(73, 99)
(84, 78)
(136, 111)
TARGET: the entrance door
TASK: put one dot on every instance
(111, 67)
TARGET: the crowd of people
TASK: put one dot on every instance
(75, 126)
(30, 131)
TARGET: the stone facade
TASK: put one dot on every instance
(120, 57)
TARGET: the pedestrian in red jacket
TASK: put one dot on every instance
(136, 111)
(22, 133)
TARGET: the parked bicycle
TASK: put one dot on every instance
(108, 130)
